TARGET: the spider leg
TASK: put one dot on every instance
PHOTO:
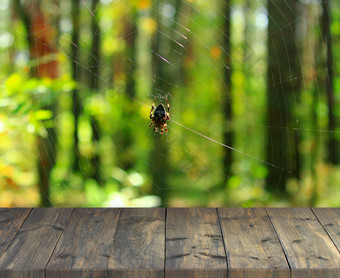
(168, 113)
(166, 127)
(162, 130)
(151, 124)
(153, 107)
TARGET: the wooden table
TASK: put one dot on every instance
(173, 242)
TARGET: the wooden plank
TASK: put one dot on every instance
(308, 248)
(139, 243)
(252, 246)
(84, 248)
(330, 220)
(29, 251)
(11, 220)
(194, 244)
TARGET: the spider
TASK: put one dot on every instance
(159, 117)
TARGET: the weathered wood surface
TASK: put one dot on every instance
(310, 251)
(32, 246)
(194, 245)
(251, 243)
(330, 220)
(174, 242)
(10, 222)
(84, 248)
(139, 243)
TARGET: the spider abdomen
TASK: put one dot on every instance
(159, 111)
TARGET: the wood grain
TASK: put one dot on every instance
(11, 220)
(29, 251)
(179, 242)
(194, 245)
(309, 250)
(330, 220)
(252, 246)
(139, 243)
(84, 248)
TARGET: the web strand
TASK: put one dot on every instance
(233, 149)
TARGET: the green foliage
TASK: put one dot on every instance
(28, 106)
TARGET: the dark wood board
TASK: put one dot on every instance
(84, 248)
(29, 251)
(309, 250)
(252, 246)
(139, 243)
(194, 244)
(177, 242)
(330, 220)
(11, 220)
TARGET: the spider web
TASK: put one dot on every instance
(192, 138)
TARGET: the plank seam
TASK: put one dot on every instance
(283, 249)
(222, 234)
(324, 229)
(55, 246)
(108, 261)
(9, 243)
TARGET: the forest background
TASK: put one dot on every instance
(253, 87)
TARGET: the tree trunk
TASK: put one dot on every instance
(130, 39)
(94, 85)
(283, 87)
(74, 63)
(248, 36)
(159, 159)
(164, 76)
(229, 132)
(47, 152)
(126, 158)
(333, 145)
(41, 44)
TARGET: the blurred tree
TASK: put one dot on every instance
(313, 63)
(55, 21)
(229, 131)
(126, 158)
(283, 89)
(333, 145)
(159, 160)
(130, 35)
(248, 11)
(75, 14)
(324, 73)
(164, 74)
(94, 66)
(41, 43)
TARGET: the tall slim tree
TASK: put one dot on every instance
(130, 36)
(283, 84)
(313, 62)
(247, 39)
(159, 160)
(94, 66)
(164, 75)
(41, 43)
(75, 14)
(333, 145)
(128, 63)
(229, 133)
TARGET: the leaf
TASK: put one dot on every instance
(18, 108)
(14, 83)
(43, 115)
